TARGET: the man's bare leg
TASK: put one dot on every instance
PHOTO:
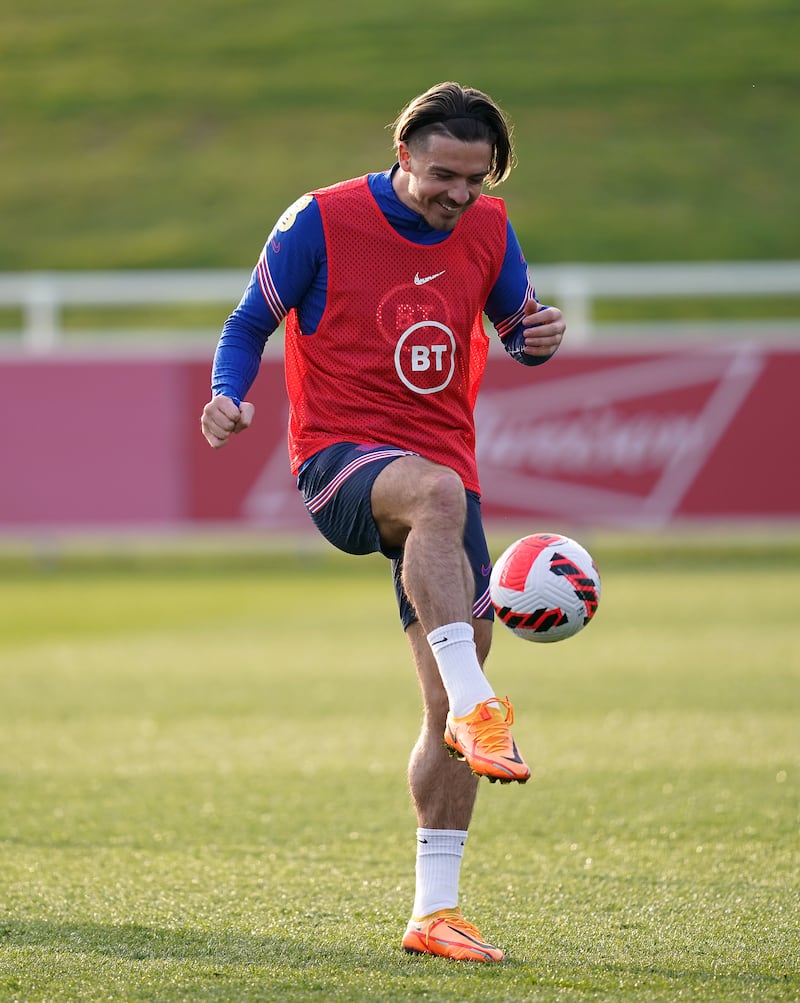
(421, 506)
(443, 791)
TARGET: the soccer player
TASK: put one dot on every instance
(383, 281)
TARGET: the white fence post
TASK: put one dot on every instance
(41, 315)
(571, 287)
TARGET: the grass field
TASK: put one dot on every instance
(173, 135)
(203, 791)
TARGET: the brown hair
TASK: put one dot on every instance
(464, 113)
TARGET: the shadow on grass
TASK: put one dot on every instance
(222, 948)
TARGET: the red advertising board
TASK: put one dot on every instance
(91, 442)
(644, 438)
(623, 438)
(598, 438)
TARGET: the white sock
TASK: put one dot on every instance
(439, 853)
(453, 647)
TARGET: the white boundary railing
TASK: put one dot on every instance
(42, 296)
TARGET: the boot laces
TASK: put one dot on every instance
(494, 729)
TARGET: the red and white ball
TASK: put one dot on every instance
(545, 587)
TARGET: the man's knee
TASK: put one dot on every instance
(413, 492)
(442, 493)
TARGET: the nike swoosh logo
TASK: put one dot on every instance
(486, 569)
(516, 758)
(420, 280)
(466, 936)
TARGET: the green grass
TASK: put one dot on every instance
(181, 819)
(155, 135)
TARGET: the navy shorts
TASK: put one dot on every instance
(336, 485)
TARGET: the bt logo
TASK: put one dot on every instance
(425, 357)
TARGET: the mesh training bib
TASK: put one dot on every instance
(400, 351)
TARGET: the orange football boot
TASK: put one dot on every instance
(447, 934)
(482, 739)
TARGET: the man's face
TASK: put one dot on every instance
(442, 178)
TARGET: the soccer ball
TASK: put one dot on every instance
(545, 587)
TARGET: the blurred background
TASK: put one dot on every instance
(148, 149)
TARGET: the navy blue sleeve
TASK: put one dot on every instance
(506, 302)
(291, 272)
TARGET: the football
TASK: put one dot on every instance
(545, 587)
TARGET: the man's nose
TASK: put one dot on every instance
(458, 193)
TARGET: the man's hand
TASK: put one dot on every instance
(222, 418)
(544, 328)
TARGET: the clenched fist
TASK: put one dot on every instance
(222, 418)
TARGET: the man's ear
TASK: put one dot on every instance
(403, 156)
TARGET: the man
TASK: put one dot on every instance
(383, 281)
